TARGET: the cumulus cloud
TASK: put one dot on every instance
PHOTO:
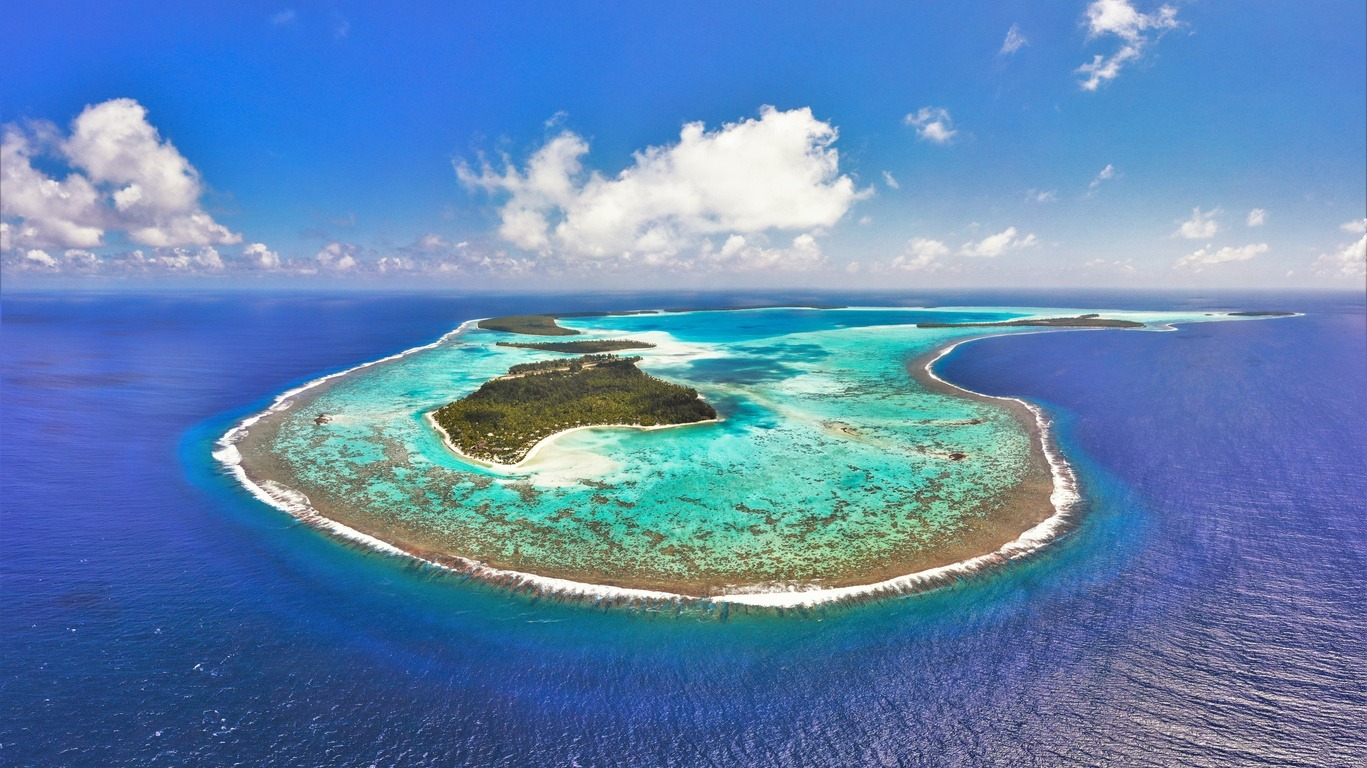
(337, 257)
(1201, 226)
(777, 172)
(204, 259)
(1357, 227)
(920, 253)
(1349, 261)
(122, 176)
(41, 259)
(932, 124)
(259, 256)
(890, 181)
(1135, 31)
(1014, 41)
(48, 212)
(1105, 175)
(1200, 260)
(998, 244)
(1041, 195)
(81, 260)
(1256, 218)
(738, 253)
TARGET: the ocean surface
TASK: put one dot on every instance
(1210, 610)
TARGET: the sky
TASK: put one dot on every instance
(1089, 143)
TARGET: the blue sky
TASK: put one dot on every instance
(899, 144)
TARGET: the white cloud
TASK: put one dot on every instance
(998, 244)
(205, 259)
(49, 212)
(778, 172)
(123, 177)
(1356, 227)
(1199, 260)
(337, 257)
(890, 181)
(1106, 174)
(932, 124)
(1120, 19)
(196, 228)
(259, 256)
(1014, 41)
(283, 17)
(920, 253)
(1201, 226)
(1349, 261)
(1041, 195)
(737, 253)
(81, 259)
(1123, 266)
(40, 259)
(1256, 218)
(208, 258)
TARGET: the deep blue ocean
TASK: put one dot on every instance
(1210, 611)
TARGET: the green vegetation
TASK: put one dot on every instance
(504, 418)
(531, 325)
(572, 366)
(580, 347)
(1081, 321)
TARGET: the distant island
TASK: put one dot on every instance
(506, 417)
(530, 325)
(588, 346)
(545, 325)
(1081, 321)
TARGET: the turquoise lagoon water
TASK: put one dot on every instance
(830, 466)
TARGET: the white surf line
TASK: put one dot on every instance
(226, 446)
(1064, 498)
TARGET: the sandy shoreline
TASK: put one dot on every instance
(545, 441)
(1027, 518)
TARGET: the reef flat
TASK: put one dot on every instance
(839, 466)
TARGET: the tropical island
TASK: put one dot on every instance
(506, 417)
(530, 325)
(845, 467)
(588, 346)
(546, 325)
